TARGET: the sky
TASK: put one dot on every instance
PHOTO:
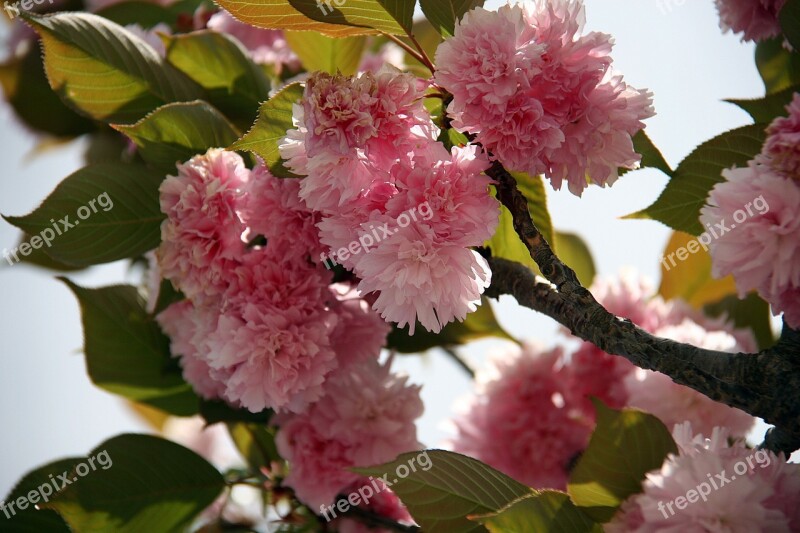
(48, 407)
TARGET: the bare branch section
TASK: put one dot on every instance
(766, 384)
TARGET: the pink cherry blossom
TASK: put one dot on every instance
(521, 422)
(783, 142)
(365, 418)
(202, 234)
(540, 96)
(756, 20)
(763, 252)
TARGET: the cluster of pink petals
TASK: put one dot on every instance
(763, 252)
(756, 20)
(374, 172)
(261, 326)
(365, 418)
(539, 96)
(521, 420)
(764, 498)
(266, 47)
(384, 503)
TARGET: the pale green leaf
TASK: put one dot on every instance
(543, 511)
(575, 253)
(327, 54)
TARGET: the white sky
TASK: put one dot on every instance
(48, 407)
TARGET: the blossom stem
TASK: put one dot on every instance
(410, 50)
(455, 356)
(763, 384)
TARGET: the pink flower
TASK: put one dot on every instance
(360, 332)
(742, 490)
(783, 142)
(389, 53)
(185, 325)
(656, 393)
(762, 251)
(756, 20)
(266, 47)
(202, 235)
(383, 503)
(540, 97)
(365, 418)
(273, 208)
(521, 422)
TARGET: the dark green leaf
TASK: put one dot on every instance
(37, 258)
(779, 68)
(679, 204)
(624, 447)
(274, 120)
(256, 443)
(544, 511)
(790, 22)
(651, 155)
(480, 324)
(444, 14)
(167, 295)
(452, 488)
(30, 519)
(575, 253)
(174, 133)
(750, 313)
(126, 352)
(215, 411)
(105, 71)
(766, 109)
(145, 14)
(26, 89)
(327, 54)
(113, 209)
(220, 64)
(152, 485)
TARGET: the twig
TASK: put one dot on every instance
(425, 59)
(413, 53)
(455, 356)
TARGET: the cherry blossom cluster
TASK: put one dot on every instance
(756, 20)
(763, 254)
(714, 485)
(367, 149)
(541, 97)
(532, 414)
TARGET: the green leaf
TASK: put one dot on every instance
(327, 54)
(766, 109)
(113, 209)
(145, 14)
(444, 14)
(679, 204)
(651, 155)
(478, 325)
(37, 258)
(216, 411)
(104, 71)
(751, 313)
(544, 511)
(256, 443)
(31, 519)
(151, 485)
(453, 487)
(387, 16)
(126, 352)
(174, 133)
(26, 89)
(532, 187)
(686, 273)
(789, 18)
(623, 448)
(285, 15)
(221, 65)
(274, 120)
(506, 244)
(575, 253)
(779, 68)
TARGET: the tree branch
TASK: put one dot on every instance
(764, 384)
